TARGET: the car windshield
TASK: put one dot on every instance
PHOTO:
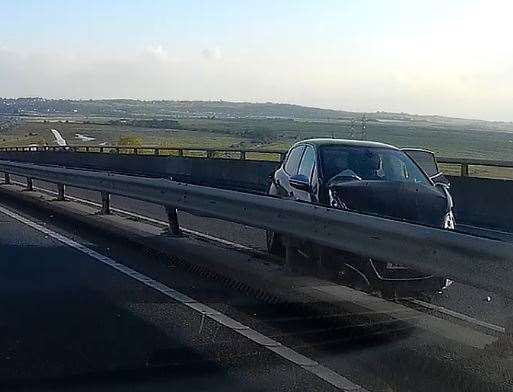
(341, 163)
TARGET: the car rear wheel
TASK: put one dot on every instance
(274, 244)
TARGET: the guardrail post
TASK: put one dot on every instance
(156, 151)
(105, 203)
(508, 333)
(30, 186)
(282, 156)
(464, 170)
(243, 155)
(294, 260)
(7, 178)
(172, 218)
(136, 151)
(60, 192)
(180, 152)
(210, 154)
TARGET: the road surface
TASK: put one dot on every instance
(68, 317)
(82, 310)
(470, 301)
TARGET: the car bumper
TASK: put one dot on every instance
(412, 287)
(401, 281)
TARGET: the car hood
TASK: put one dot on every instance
(417, 203)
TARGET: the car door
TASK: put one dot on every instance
(426, 160)
(288, 169)
(307, 168)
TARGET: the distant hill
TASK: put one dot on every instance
(130, 108)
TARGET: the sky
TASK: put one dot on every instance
(425, 57)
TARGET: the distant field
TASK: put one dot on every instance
(31, 132)
(444, 139)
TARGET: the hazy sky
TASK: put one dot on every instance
(427, 57)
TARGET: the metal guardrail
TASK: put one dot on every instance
(464, 163)
(231, 153)
(468, 259)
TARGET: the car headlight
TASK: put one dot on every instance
(449, 222)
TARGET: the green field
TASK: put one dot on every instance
(447, 137)
(444, 140)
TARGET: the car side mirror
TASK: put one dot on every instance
(439, 178)
(442, 184)
(301, 182)
(444, 188)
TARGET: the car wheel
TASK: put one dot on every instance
(389, 294)
(274, 244)
(352, 277)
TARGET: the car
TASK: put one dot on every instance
(369, 178)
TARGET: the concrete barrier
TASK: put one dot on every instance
(480, 202)
(483, 202)
(249, 176)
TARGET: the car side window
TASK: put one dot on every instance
(307, 162)
(426, 160)
(292, 164)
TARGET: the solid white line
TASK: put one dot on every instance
(235, 245)
(484, 229)
(270, 344)
(460, 316)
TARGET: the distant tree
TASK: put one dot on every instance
(129, 141)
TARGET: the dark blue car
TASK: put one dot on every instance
(370, 178)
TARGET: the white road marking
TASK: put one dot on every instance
(441, 309)
(460, 316)
(270, 344)
(487, 229)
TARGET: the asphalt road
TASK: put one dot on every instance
(470, 301)
(68, 319)
(76, 315)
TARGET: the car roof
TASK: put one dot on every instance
(344, 142)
